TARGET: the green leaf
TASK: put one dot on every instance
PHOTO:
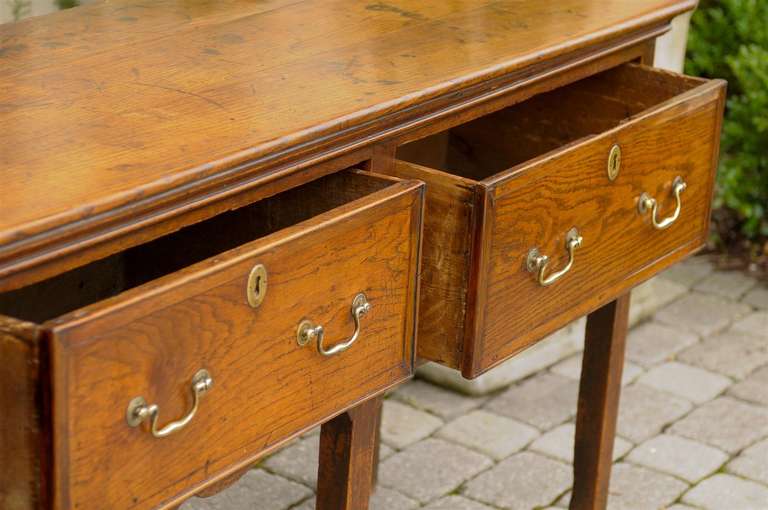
(729, 39)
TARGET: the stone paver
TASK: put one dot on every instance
(524, 481)
(256, 489)
(652, 343)
(692, 383)
(692, 431)
(689, 272)
(756, 323)
(727, 284)
(382, 499)
(701, 313)
(548, 351)
(651, 296)
(752, 463)
(456, 503)
(730, 353)
(543, 401)
(385, 451)
(558, 443)
(684, 458)
(752, 467)
(644, 411)
(571, 367)
(307, 504)
(725, 423)
(638, 488)
(754, 388)
(402, 425)
(757, 297)
(436, 400)
(388, 499)
(431, 469)
(297, 462)
(727, 492)
(759, 449)
(488, 433)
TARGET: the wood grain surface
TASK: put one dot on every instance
(538, 169)
(536, 205)
(348, 455)
(447, 237)
(598, 408)
(150, 340)
(25, 417)
(122, 107)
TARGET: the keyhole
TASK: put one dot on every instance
(257, 285)
(614, 162)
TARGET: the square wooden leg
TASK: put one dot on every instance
(377, 451)
(598, 405)
(347, 457)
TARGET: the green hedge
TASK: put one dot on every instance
(729, 39)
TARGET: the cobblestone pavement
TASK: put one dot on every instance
(693, 424)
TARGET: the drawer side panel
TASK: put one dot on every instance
(445, 262)
(23, 420)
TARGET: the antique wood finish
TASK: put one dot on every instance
(598, 407)
(348, 454)
(145, 227)
(381, 69)
(447, 237)
(149, 340)
(153, 153)
(267, 387)
(557, 145)
(24, 421)
(621, 248)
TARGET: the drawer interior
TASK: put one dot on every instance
(499, 141)
(145, 262)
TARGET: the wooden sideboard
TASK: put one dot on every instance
(227, 222)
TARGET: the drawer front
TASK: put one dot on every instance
(536, 206)
(150, 341)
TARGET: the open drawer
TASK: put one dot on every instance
(544, 211)
(162, 366)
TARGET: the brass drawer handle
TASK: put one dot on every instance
(537, 263)
(139, 411)
(647, 203)
(308, 330)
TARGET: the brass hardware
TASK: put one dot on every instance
(614, 162)
(537, 263)
(646, 203)
(308, 330)
(138, 411)
(257, 285)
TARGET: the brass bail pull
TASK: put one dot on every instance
(139, 411)
(537, 263)
(308, 330)
(646, 203)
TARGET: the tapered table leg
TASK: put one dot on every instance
(347, 453)
(598, 404)
(377, 451)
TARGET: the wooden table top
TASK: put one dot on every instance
(122, 103)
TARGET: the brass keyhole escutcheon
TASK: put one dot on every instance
(614, 162)
(257, 285)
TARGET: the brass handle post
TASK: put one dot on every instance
(139, 411)
(308, 330)
(537, 263)
(647, 203)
